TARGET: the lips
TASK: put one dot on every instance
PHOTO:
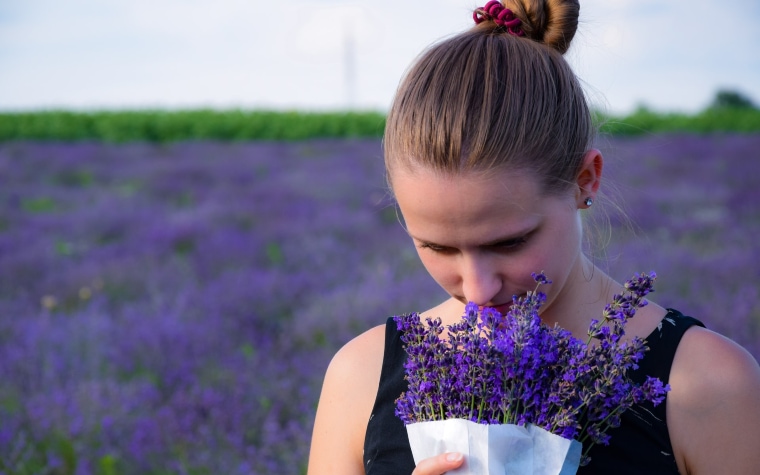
(501, 308)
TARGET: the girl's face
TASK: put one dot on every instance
(480, 236)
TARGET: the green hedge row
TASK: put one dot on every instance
(170, 126)
(714, 119)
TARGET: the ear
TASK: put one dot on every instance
(589, 177)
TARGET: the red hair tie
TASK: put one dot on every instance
(500, 15)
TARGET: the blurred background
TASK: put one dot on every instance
(326, 54)
(203, 220)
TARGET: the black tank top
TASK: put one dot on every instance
(641, 445)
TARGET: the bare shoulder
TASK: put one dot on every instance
(354, 372)
(348, 394)
(715, 365)
(713, 408)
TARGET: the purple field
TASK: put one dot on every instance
(173, 308)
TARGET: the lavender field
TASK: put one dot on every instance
(172, 308)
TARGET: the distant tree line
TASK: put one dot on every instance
(730, 111)
(729, 99)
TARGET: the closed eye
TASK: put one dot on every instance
(509, 244)
(437, 248)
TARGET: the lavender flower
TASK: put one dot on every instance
(513, 369)
(135, 277)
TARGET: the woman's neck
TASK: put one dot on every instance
(582, 298)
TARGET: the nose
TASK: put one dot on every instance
(481, 281)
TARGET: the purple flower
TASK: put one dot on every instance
(513, 369)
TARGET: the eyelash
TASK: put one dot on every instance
(434, 248)
(510, 245)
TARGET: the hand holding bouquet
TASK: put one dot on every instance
(512, 370)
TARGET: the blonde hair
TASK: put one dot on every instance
(486, 99)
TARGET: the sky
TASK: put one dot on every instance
(668, 55)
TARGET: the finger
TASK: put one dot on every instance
(439, 464)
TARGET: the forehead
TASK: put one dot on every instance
(441, 207)
(498, 187)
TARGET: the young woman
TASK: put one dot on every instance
(488, 150)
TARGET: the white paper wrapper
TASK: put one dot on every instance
(496, 449)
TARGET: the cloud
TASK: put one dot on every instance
(261, 53)
(325, 30)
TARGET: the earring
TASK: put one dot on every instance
(588, 201)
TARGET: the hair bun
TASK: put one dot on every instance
(551, 22)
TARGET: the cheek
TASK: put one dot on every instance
(564, 239)
(555, 254)
(441, 269)
(561, 254)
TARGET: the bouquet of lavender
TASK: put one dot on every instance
(537, 389)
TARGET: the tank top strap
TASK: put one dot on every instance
(658, 360)
(663, 343)
(394, 355)
(386, 444)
